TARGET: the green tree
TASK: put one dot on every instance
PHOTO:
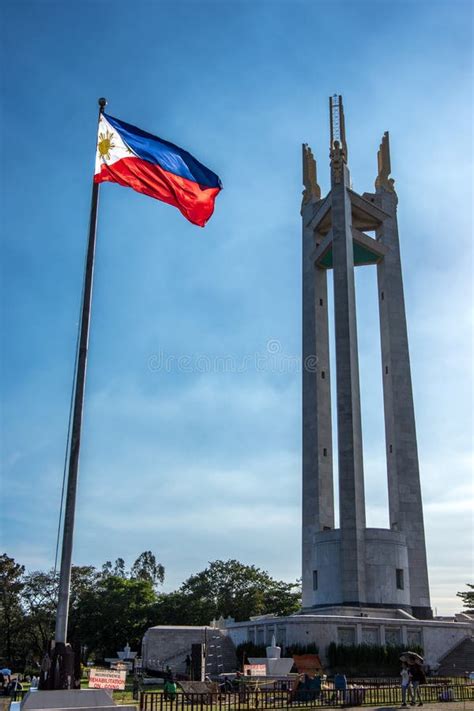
(40, 601)
(178, 608)
(467, 598)
(39, 604)
(115, 611)
(146, 567)
(230, 588)
(107, 568)
(84, 579)
(109, 607)
(119, 568)
(11, 619)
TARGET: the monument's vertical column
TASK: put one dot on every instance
(351, 471)
(405, 504)
(318, 495)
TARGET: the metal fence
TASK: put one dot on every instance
(245, 700)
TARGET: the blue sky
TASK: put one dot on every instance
(181, 455)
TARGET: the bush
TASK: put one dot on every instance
(366, 659)
(311, 648)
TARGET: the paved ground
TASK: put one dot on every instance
(438, 706)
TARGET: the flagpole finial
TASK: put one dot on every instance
(102, 103)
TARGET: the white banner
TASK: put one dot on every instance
(255, 669)
(107, 679)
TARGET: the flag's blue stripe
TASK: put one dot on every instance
(167, 155)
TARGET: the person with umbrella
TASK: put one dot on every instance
(406, 684)
(417, 675)
(411, 658)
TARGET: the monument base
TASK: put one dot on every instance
(78, 699)
(356, 626)
(59, 670)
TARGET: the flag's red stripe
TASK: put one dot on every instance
(195, 202)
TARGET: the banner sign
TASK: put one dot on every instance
(107, 679)
(255, 669)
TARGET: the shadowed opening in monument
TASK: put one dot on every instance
(371, 395)
(332, 361)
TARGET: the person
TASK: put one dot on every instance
(135, 688)
(316, 686)
(301, 691)
(14, 687)
(225, 684)
(406, 684)
(418, 677)
(188, 664)
(340, 686)
(170, 689)
(6, 674)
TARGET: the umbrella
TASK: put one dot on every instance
(411, 658)
(6, 672)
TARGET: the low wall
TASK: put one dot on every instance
(436, 637)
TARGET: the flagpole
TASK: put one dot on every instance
(60, 635)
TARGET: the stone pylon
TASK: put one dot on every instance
(354, 565)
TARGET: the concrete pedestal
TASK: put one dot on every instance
(79, 699)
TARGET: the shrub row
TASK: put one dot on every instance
(366, 659)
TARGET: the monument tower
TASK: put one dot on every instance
(360, 585)
(356, 566)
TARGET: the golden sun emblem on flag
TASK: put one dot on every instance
(105, 144)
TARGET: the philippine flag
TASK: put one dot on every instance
(136, 159)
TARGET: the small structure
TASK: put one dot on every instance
(168, 646)
(125, 657)
(78, 699)
(309, 664)
(274, 664)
